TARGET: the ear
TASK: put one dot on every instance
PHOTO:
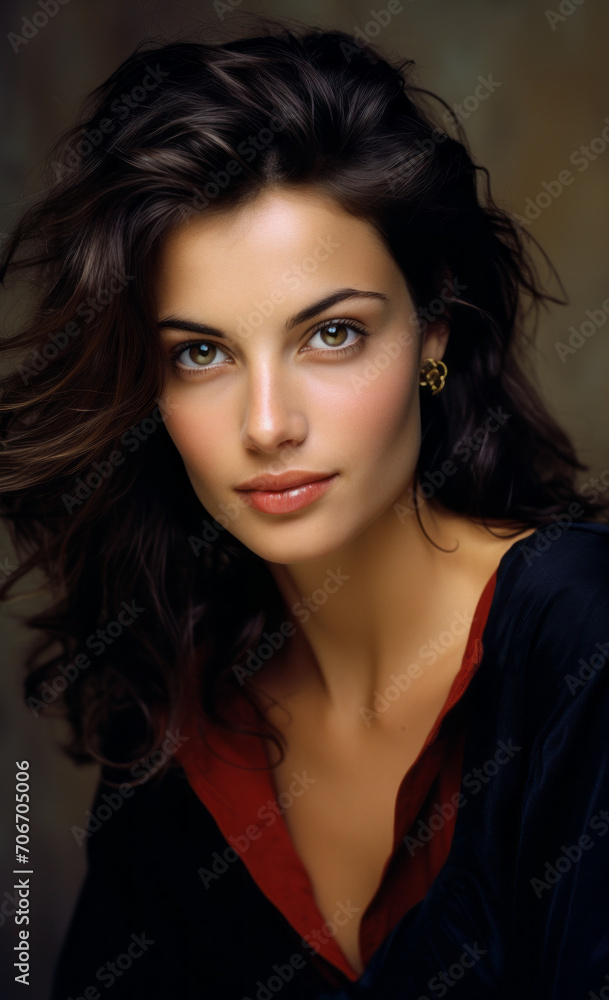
(434, 339)
(437, 329)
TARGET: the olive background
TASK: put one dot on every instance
(549, 97)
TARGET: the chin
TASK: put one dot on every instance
(306, 545)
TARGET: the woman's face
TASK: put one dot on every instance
(312, 365)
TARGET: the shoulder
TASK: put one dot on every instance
(551, 600)
(549, 621)
(564, 563)
(140, 818)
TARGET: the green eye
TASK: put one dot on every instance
(197, 356)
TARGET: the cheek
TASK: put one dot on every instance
(197, 433)
(385, 410)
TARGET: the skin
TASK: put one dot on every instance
(273, 403)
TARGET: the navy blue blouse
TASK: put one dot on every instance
(518, 910)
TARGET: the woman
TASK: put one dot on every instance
(334, 625)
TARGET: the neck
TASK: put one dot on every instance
(353, 609)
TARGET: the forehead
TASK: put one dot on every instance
(301, 229)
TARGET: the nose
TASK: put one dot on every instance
(273, 416)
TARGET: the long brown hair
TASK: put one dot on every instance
(146, 586)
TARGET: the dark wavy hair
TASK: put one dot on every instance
(182, 128)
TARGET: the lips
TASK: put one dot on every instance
(284, 481)
(289, 499)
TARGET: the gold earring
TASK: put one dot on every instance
(432, 376)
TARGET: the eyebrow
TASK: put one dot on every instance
(300, 317)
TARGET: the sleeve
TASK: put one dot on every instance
(561, 918)
(104, 920)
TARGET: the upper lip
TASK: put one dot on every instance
(296, 477)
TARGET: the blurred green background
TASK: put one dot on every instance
(548, 96)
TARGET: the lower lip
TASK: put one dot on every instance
(284, 501)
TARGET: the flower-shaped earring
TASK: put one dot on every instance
(430, 374)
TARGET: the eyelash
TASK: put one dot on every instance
(349, 349)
